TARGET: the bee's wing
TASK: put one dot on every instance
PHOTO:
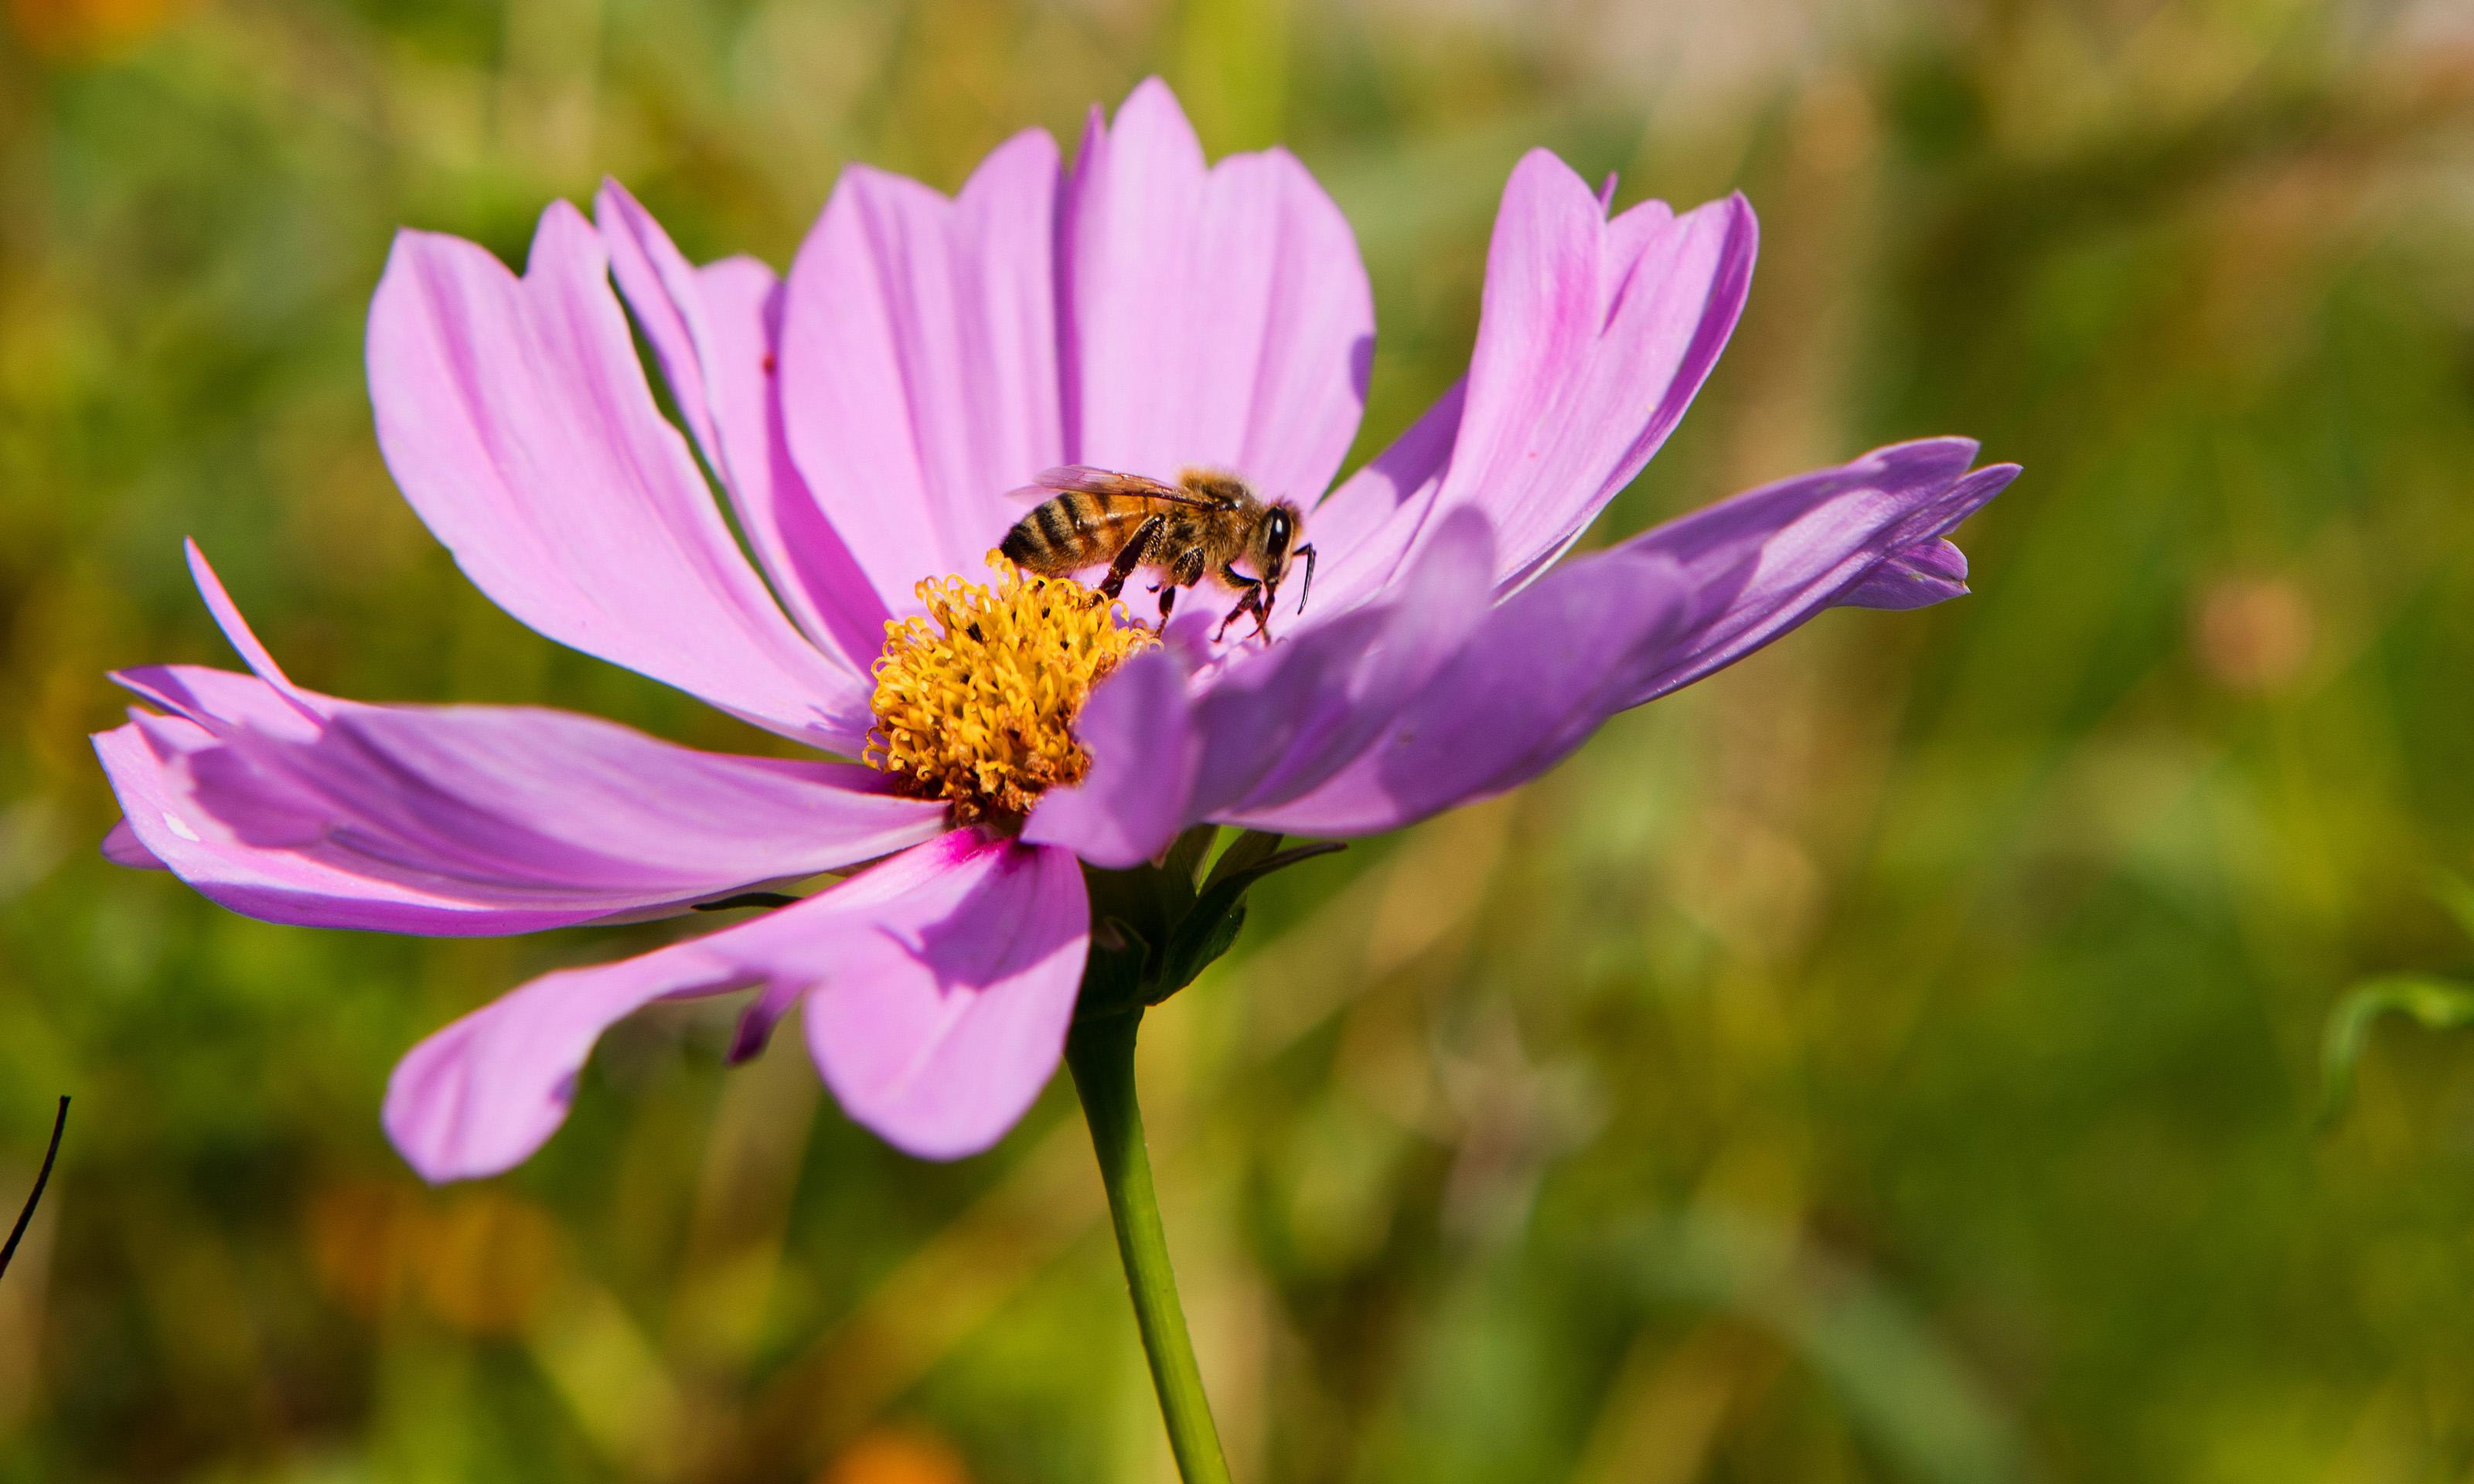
(1084, 479)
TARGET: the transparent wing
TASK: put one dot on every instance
(1084, 479)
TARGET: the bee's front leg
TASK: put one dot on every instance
(1131, 556)
(1262, 614)
(1250, 603)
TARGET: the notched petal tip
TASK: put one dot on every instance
(1153, 103)
(1539, 165)
(1977, 489)
(1217, 313)
(1933, 572)
(1867, 534)
(565, 239)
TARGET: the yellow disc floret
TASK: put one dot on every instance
(975, 700)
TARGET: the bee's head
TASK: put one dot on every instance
(1276, 540)
(1277, 546)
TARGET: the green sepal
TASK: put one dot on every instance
(1190, 953)
(1230, 880)
(1247, 852)
(1184, 859)
(1211, 927)
(1152, 934)
(1115, 976)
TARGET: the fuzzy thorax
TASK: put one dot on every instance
(975, 701)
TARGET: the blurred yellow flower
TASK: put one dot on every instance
(85, 29)
(898, 1458)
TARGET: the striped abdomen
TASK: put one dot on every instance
(1075, 530)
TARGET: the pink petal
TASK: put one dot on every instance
(1575, 383)
(480, 1096)
(1863, 534)
(122, 848)
(1615, 629)
(948, 977)
(919, 371)
(1537, 676)
(714, 330)
(1363, 527)
(517, 418)
(1140, 732)
(1593, 338)
(480, 820)
(1218, 315)
(298, 807)
(945, 1037)
(1933, 572)
(1279, 726)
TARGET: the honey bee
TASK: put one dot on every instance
(1204, 524)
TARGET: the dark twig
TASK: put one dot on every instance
(26, 1217)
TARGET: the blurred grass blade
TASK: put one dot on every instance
(1898, 1384)
(2439, 1004)
(2457, 894)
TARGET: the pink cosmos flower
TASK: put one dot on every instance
(866, 416)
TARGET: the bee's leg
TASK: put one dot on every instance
(1131, 556)
(1250, 603)
(1184, 572)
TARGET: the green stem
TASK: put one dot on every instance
(1101, 1052)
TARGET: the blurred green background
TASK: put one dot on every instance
(1894, 1059)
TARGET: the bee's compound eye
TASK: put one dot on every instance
(1281, 530)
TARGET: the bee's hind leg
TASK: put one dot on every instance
(1131, 556)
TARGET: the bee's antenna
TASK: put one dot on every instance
(1306, 587)
(26, 1217)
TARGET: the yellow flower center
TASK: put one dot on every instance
(975, 700)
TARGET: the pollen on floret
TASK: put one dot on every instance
(975, 699)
